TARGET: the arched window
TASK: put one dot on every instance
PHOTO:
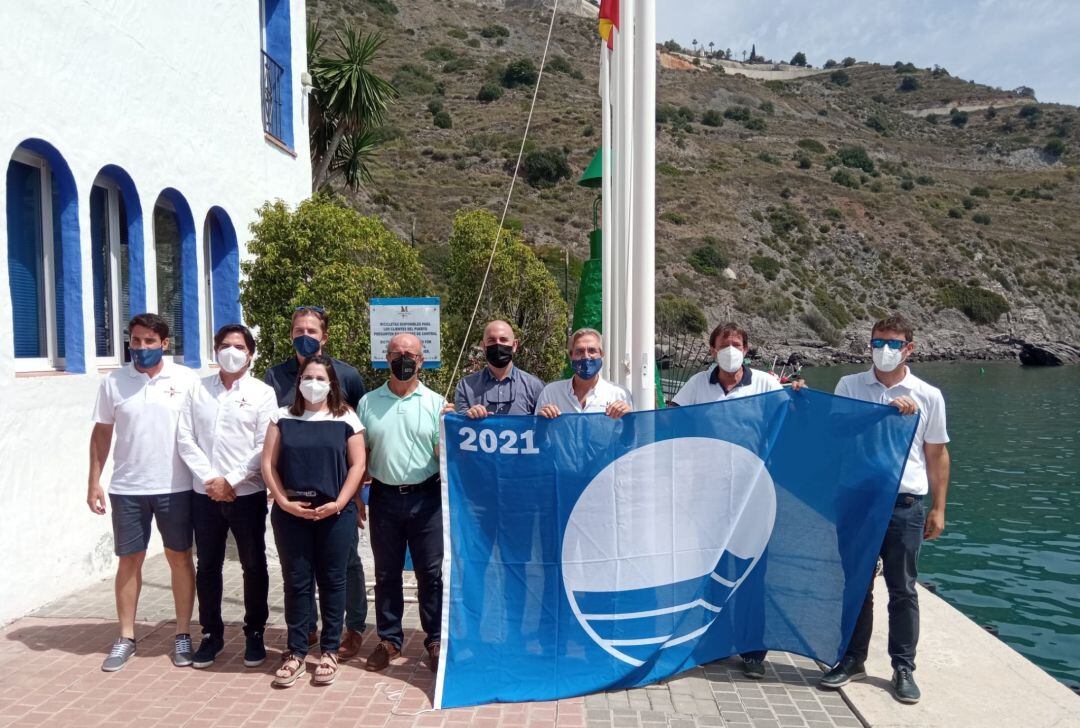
(44, 263)
(277, 105)
(222, 259)
(116, 257)
(177, 274)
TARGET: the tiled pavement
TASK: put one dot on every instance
(51, 663)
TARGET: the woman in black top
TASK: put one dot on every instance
(313, 460)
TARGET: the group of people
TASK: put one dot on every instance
(203, 456)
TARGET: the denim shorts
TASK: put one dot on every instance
(131, 516)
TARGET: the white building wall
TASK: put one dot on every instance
(171, 93)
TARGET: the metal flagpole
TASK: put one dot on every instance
(624, 178)
(607, 202)
(643, 337)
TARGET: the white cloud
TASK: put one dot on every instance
(1006, 43)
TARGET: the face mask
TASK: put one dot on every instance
(231, 359)
(146, 358)
(314, 390)
(587, 368)
(886, 359)
(306, 345)
(730, 358)
(499, 355)
(403, 369)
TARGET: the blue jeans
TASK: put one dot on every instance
(900, 557)
(397, 521)
(319, 548)
(246, 518)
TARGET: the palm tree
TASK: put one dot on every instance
(348, 100)
(694, 42)
(711, 44)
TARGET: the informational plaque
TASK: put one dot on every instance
(392, 316)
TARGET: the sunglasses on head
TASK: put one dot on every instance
(316, 309)
(894, 344)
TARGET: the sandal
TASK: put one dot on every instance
(292, 667)
(327, 670)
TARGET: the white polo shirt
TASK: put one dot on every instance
(561, 394)
(705, 386)
(144, 413)
(221, 432)
(931, 429)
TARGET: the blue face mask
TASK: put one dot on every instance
(146, 358)
(306, 345)
(587, 368)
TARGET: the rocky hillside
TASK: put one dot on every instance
(802, 208)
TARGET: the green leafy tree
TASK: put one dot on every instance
(521, 72)
(520, 290)
(679, 315)
(799, 59)
(489, 92)
(546, 167)
(347, 99)
(322, 254)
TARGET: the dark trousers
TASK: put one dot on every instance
(213, 520)
(413, 520)
(899, 556)
(356, 606)
(307, 547)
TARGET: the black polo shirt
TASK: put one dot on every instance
(283, 379)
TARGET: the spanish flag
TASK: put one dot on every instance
(609, 21)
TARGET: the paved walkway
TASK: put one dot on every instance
(51, 660)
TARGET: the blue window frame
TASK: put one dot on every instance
(277, 102)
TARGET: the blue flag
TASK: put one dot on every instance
(587, 554)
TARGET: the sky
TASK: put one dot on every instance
(1005, 43)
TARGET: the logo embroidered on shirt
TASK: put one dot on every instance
(172, 391)
(243, 402)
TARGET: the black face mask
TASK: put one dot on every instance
(403, 369)
(499, 355)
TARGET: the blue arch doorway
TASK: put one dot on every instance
(223, 269)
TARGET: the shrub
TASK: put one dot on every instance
(712, 117)
(545, 167)
(1055, 147)
(981, 218)
(1029, 111)
(386, 7)
(738, 113)
(473, 42)
(811, 145)
(443, 120)
(495, 31)
(668, 170)
(856, 158)
(848, 62)
(435, 106)
(785, 220)
(901, 67)
(877, 123)
(958, 118)
(489, 92)
(439, 53)
(768, 158)
(767, 107)
(980, 192)
(924, 179)
(931, 118)
(909, 83)
(708, 260)
(821, 326)
(955, 212)
(833, 309)
(833, 214)
(412, 79)
(840, 78)
(459, 33)
(799, 59)
(768, 268)
(968, 203)
(978, 304)
(803, 160)
(907, 184)
(846, 179)
(675, 314)
(461, 63)
(560, 64)
(990, 113)
(755, 124)
(830, 64)
(673, 217)
(521, 72)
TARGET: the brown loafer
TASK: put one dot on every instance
(380, 657)
(350, 645)
(433, 651)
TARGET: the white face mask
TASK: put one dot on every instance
(314, 390)
(886, 359)
(729, 359)
(231, 359)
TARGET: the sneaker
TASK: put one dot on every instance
(904, 687)
(121, 652)
(753, 669)
(433, 651)
(380, 657)
(181, 656)
(208, 650)
(254, 649)
(849, 669)
(350, 645)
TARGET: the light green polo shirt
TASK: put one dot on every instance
(401, 434)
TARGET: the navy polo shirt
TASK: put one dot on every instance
(313, 457)
(283, 379)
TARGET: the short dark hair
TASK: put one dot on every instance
(235, 329)
(318, 313)
(151, 321)
(335, 400)
(728, 328)
(895, 322)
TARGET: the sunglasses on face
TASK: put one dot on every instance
(894, 344)
(395, 356)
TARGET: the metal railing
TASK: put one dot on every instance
(273, 108)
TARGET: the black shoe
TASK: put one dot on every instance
(254, 650)
(208, 650)
(904, 687)
(753, 669)
(849, 669)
